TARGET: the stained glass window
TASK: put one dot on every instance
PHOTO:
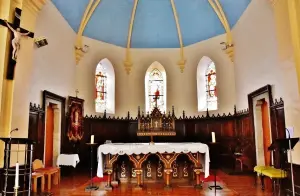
(101, 88)
(211, 87)
(156, 89)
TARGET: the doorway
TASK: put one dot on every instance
(52, 136)
(259, 102)
(263, 125)
(54, 107)
(49, 136)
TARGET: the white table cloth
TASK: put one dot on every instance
(145, 148)
(67, 160)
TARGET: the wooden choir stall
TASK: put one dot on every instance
(154, 124)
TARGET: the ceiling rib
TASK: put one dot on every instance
(93, 4)
(229, 49)
(128, 62)
(182, 61)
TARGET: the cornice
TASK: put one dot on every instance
(34, 6)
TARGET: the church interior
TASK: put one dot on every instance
(149, 97)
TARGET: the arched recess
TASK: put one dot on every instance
(105, 87)
(156, 79)
(206, 85)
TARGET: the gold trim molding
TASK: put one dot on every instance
(128, 62)
(79, 53)
(182, 60)
(229, 47)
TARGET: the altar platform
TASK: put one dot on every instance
(198, 154)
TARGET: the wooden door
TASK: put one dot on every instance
(266, 132)
(36, 132)
(49, 136)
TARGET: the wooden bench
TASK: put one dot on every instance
(35, 176)
(38, 167)
(271, 172)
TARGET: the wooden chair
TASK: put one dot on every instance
(38, 167)
(244, 156)
(35, 176)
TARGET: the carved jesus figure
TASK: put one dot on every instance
(16, 41)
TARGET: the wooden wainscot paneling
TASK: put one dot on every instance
(278, 129)
(287, 185)
(228, 127)
(36, 129)
(281, 159)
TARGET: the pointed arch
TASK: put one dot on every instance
(105, 87)
(207, 85)
(156, 81)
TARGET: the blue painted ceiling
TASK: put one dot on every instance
(154, 25)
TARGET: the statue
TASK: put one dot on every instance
(16, 41)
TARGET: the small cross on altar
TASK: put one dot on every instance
(77, 92)
(156, 124)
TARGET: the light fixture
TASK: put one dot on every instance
(226, 45)
(41, 41)
(84, 49)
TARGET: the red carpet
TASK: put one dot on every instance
(97, 179)
(210, 178)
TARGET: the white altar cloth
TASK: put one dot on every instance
(67, 160)
(145, 148)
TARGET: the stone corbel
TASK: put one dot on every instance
(181, 64)
(229, 50)
(128, 65)
(79, 49)
(78, 54)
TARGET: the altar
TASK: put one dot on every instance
(197, 153)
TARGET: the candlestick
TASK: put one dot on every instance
(92, 139)
(17, 175)
(213, 137)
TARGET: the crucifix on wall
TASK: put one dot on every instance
(17, 34)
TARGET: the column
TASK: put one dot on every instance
(5, 14)
(294, 16)
(30, 9)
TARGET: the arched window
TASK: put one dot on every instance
(105, 87)
(207, 85)
(156, 86)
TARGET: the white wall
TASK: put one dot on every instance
(50, 68)
(53, 65)
(181, 87)
(257, 62)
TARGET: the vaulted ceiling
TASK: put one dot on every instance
(154, 24)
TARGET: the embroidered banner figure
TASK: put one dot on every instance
(75, 127)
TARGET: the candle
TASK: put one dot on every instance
(92, 139)
(213, 137)
(17, 176)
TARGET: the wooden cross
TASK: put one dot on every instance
(156, 124)
(16, 24)
(77, 92)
